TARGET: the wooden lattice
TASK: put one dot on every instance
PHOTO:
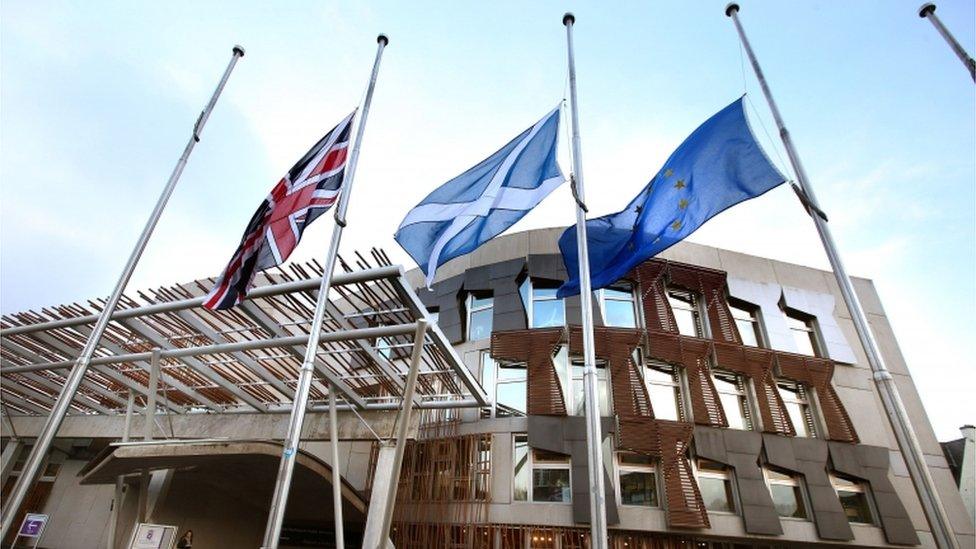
(817, 373)
(535, 348)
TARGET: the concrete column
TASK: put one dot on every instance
(382, 478)
(967, 476)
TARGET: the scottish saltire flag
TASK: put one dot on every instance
(719, 165)
(307, 191)
(479, 204)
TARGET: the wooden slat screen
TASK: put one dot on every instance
(758, 365)
(535, 348)
(817, 373)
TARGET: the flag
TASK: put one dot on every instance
(479, 204)
(307, 191)
(719, 165)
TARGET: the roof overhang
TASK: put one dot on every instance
(241, 360)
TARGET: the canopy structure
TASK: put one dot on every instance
(241, 360)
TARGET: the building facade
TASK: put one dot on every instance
(737, 405)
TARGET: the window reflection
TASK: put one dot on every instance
(684, 305)
(619, 306)
(480, 312)
(747, 321)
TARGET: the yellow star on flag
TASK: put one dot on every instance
(668, 172)
(680, 184)
(676, 225)
(682, 204)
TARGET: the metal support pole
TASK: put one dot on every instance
(286, 467)
(890, 399)
(147, 433)
(46, 436)
(119, 482)
(340, 538)
(927, 11)
(402, 428)
(594, 438)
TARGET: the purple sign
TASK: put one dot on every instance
(33, 525)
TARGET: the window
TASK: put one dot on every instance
(433, 316)
(385, 347)
(804, 333)
(732, 392)
(684, 305)
(540, 476)
(787, 494)
(505, 383)
(619, 306)
(480, 309)
(797, 402)
(571, 378)
(854, 499)
(715, 484)
(747, 321)
(637, 480)
(544, 309)
(664, 389)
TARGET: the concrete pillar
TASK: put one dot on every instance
(382, 478)
(967, 476)
(8, 458)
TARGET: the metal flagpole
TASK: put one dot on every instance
(927, 11)
(287, 466)
(594, 438)
(890, 398)
(74, 379)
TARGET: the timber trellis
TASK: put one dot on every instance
(244, 360)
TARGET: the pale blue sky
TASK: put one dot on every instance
(97, 100)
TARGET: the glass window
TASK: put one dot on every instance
(385, 348)
(637, 480)
(854, 499)
(547, 309)
(619, 306)
(684, 305)
(715, 484)
(433, 316)
(577, 406)
(505, 384)
(803, 332)
(480, 311)
(747, 321)
(664, 389)
(787, 494)
(797, 402)
(548, 471)
(732, 392)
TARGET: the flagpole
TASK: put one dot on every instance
(594, 438)
(890, 398)
(927, 11)
(286, 467)
(60, 408)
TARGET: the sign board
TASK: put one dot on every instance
(153, 536)
(33, 525)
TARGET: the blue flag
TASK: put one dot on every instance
(719, 165)
(479, 204)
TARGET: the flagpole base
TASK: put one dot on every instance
(569, 18)
(730, 8)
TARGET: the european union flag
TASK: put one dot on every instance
(719, 165)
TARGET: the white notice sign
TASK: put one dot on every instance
(153, 536)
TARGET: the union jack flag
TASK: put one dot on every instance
(307, 191)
